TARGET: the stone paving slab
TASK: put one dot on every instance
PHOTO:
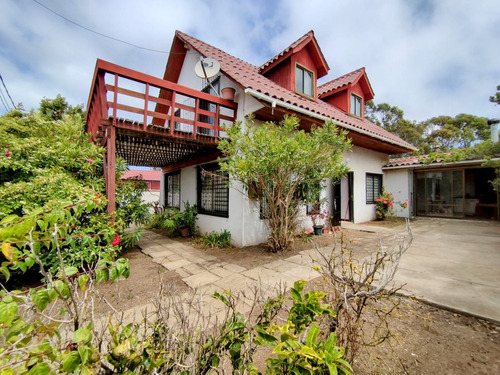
(200, 279)
(172, 266)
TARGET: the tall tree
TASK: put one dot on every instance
(283, 167)
(392, 119)
(496, 98)
(463, 130)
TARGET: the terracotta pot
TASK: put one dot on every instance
(228, 93)
(185, 232)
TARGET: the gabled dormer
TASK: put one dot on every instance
(298, 67)
(348, 92)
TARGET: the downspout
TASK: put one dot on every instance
(306, 112)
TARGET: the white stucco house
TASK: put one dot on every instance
(284, 85)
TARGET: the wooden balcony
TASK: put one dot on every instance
(152, 122)
(157, 122)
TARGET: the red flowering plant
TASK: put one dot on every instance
(385, 205)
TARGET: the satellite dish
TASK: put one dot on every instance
(207, 68)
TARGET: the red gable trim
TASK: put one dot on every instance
(316, 53)
(347, 80)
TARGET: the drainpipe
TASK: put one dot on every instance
(495, 129)
(315, 115)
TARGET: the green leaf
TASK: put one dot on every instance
(71, 361)
(82, 335)
(296, 295)
(84, 353)
(70, 270)
(62, 287)
(102, 274)
(83, 281)
(5, 271)
(8, 310)
(40, 299)
(312, 335)
(40, 369)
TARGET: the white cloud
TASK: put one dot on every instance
(429, 58)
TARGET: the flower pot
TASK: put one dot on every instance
(185, 232)
(228, 93)
(318, 230)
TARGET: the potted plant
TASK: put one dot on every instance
(318, 218)
(186, 220)
(228, 93)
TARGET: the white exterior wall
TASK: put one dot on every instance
(361, 161)
(244, 222)
(399, 182)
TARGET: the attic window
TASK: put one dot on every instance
(356, 105)
(304, 81)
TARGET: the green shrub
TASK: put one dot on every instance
(214, 239)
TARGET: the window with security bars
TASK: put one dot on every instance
(173, 190)
(373, 187)
(213, 191)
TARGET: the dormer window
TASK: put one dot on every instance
(356, 105)
(304, 81)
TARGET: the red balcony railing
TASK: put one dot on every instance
(142, 102)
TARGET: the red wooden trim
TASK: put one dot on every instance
(145, 78)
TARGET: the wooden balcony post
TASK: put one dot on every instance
(111, 171)
(146, 100)
(195, 125)
(172, 114)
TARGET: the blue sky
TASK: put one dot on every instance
(427, 57)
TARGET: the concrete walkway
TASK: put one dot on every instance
(451, 263)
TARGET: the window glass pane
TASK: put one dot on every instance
(173, 190)
(299, 79)
(356, 102)
(308, 83)
(373, 187)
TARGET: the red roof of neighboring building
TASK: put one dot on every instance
(144, 174)
(409, 161)
(248, 76)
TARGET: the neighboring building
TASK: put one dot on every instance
(178, 121)
(153, 179)
(442, 189)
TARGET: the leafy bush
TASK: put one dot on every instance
(384, 205)
(214, 239)
(172, 220)
(51, 174)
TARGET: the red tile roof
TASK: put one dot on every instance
(142, 174)
(410, 161)
(341, 81)
(248, 76)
